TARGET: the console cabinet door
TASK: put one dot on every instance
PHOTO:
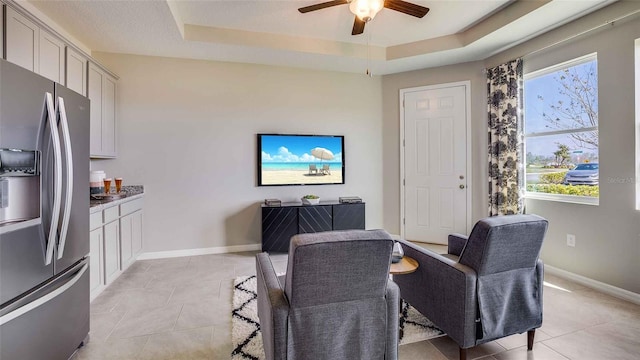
(111, 251)
(22, 40)
(315, 218)
(279, 224)
(348, 216)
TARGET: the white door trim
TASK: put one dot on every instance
(467, 85)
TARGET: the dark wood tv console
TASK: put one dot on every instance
(280, 223)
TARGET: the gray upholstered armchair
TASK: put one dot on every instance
(487, 287)
(335, 302)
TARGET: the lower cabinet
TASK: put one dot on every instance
(115, 241)
(96, 258)
(111, 251)
(130, 238)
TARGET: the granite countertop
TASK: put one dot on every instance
(131, 192)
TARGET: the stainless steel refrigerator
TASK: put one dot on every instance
(44, 217)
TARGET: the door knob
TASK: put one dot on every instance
(461, 186)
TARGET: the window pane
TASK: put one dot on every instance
(563, 104)
(562, 100)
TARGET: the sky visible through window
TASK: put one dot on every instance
(543, 91)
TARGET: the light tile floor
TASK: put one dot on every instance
(180, 308)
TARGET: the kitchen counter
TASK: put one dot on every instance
(131, 192)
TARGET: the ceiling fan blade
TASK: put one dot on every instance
(323, 5)
(358, 26)
(406, 8)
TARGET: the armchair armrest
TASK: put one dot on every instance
(393, 321)
(443, 290)
(456, 244)
(273, 309)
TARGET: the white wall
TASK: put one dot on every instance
(187, 132)
(391, 86)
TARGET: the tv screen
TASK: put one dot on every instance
(300, 159)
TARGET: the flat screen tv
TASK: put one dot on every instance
(300, 159)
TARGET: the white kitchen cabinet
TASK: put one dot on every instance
(76, 71)
(136, 230)
(33, 48)
(115, 240)
(126, 241)
(51, 57)
(111, 251)
(96, 265)
(130, 231)
(22, 40)
(2, 10)
(102, 93)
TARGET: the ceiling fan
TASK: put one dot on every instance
(366, 10)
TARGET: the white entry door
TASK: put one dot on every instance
(435, 198)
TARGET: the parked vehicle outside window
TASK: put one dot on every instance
(583, 174)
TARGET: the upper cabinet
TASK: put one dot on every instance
(76, 71)
(22, 38)
(33, 48)
(51, 57)
(102, 93)
(32, 44)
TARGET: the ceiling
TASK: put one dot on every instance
(275, 33)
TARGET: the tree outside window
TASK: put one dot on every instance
(561, 129)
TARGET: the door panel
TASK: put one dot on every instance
(50, 331)
(435, 167)
(76, 245)
(22, 256)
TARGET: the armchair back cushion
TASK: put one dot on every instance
(504, 253)
(337, 285)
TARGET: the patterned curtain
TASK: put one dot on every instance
(506, 147)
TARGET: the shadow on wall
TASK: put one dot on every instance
(244, 227)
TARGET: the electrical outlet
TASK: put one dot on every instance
(571, 240)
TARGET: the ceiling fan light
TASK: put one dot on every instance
(366, 10)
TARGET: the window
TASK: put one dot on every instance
(561, 132)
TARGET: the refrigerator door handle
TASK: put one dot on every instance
(43, 300)
(57, 176)
(69, 161)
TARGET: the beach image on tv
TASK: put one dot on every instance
(298, 159)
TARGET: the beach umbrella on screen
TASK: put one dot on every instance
(322, 153)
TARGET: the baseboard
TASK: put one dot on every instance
(594, 284)
(200, 251)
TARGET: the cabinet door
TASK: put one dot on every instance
(136, 240)
(348, 216)
(95, 260)
(108, 116)
(76, 72)
(111, 251)
(94, 92)
(102, 93)
(279, 224)
(51, 57)
(126, 238)
(2, 10)
(22, 38)
(315, 218)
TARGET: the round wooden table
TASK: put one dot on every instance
(405, 266)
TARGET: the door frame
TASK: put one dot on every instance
(467, 86)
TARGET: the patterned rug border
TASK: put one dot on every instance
(246, 337)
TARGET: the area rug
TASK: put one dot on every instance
(245, 329)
